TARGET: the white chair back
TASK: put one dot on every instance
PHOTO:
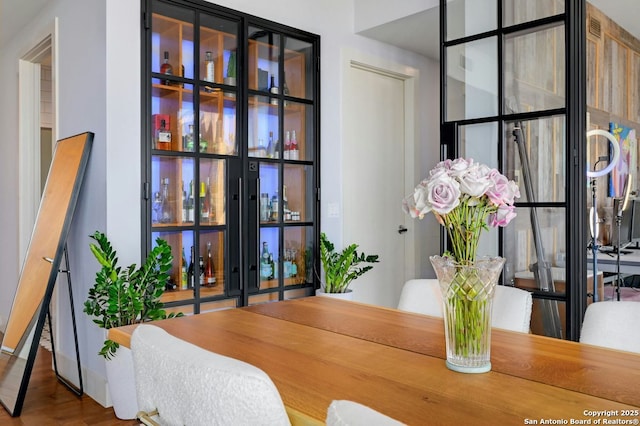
(511, 306)
(612, 324)
(188, 385)
(349, 413)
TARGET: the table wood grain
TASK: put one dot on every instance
(317, 350)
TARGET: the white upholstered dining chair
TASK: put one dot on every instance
(178, 383)
(612, 324)
(511, 306)
(350, 413)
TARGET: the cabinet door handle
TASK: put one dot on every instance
(241, 230)
(401, 229)
(258, 230)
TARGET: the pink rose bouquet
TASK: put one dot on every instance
(466, 198)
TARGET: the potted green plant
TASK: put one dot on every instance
(340, 268)
(122, 297)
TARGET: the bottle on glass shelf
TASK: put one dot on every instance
(187, 140)
(271, 148)
(209, 270)
(274, 207)
(185, 203)
(201, 270)
(191, 269)
(272, 267)
(166, 68)
(203, 144)
(286, 213)
(273, 89)
(184, 272)
(167, 215)
(163, 136)
(265, 266)
(205, 201)
(285, 89)
(294, 154)
(190, 204)
(287, 146)
(209, 67)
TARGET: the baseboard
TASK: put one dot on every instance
(95, 385)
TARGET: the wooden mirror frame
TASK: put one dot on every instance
(40, 269)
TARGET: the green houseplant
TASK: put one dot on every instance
(340, 268)
(127, 296)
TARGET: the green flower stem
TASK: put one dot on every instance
(464, 225)
(467, 306)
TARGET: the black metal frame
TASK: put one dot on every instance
(245, 263)
(573, 20)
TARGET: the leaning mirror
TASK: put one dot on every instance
(40, 268)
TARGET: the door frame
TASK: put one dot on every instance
(352, 58)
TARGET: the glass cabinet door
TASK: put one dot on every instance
(230, 155)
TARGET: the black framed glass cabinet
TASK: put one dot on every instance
(230, 153)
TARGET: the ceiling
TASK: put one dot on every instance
(419, 33)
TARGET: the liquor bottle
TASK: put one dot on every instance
(274, 207)
(184, 276)
(270, 147)
(294, 154)
(201, 270)
(188, 140)
(272, 268)
(167, 216)
(203, 144)
(171, 285)
(274, 90)
(205, 201)
(287, 146)
(265, 266)
(209, 270)
(286, 213)
(166, 68)
(209, 67)
(190, 271)
(265, 211)
(190, 204)
(185, 205)
(163, 137)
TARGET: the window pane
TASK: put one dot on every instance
(264, 50)
(180, 285)
(472, 80)
(469, 17)
(263, 127)
(298, 63)
(480, 142)
(519, 11)
(534, 66)
(543, 148)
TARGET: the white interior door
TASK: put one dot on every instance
(374, 157)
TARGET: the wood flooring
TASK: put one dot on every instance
(49, 402)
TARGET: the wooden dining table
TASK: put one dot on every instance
(319, 349)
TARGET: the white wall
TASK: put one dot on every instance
(99, 83)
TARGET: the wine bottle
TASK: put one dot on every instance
(273, 89)
(272, 267)
(190, 270)
(287, 146)
(166, 68)
(294, 154)
(286, 213)
(285, 89)
(209, 270)
(270, 146)
(209, 67)
(274, 207)
(201, 270)
(190, 204)
(265, 266)
(205, 201)
(184, 276)
(163, 136)
(185, 202)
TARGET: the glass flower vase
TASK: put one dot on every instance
(467, 296)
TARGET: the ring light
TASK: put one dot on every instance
(616, 152)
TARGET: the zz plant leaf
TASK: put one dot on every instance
(343, 267)
(127, 296)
